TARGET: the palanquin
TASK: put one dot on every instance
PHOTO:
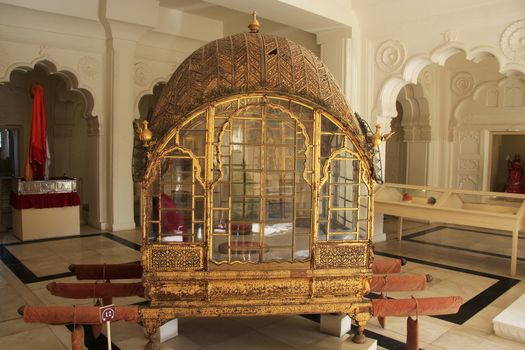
(258, 188)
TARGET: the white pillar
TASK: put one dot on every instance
(123, 29)
(336, 53)
(121, 138)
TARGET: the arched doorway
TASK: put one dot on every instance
(72, 130)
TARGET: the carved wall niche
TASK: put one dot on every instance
(493, 106)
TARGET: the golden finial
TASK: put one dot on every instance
(254, 26)
(377, 137)
(145, 134)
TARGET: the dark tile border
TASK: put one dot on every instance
(25, 275)
(382, 341)
(476, 304)
(413, 238)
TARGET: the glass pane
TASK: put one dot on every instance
(198, 232)
(280, 131)
(246, 131)
(245, 209)
(321, 233)
(279, 158)
(343, 196)
(279, 183)
(302, 247)
(342, 221)
(279, 209)
(246, 157)
(327, 125)
(220, 222)
(246, 183)
(323, 208)
(152, 231)
(220, 248)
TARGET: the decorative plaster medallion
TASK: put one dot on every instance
(142, 74)
(88, 66)
(462, 83)
(512, 41)
(450, 35)
(390, 55)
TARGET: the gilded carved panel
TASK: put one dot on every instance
(332, 256)
(173, 258)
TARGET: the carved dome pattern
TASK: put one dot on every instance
(245, 63)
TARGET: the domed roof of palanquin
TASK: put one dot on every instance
(249, 62)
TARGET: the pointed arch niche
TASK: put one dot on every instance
(407, 153)
(71, 128)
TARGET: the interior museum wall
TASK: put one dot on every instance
(398, 44)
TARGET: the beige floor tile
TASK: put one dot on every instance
(257, 322)
(208, 331)
(335, 343)
(494, 342)
(483, 320)
(15, 326)
(40, 338)
(461, 338)
(252, 340)
(295, 331)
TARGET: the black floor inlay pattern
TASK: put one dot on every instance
(383, 341)
(27, 276)
(477, 303)
(413, 238)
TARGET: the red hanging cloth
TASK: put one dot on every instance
(36, 159)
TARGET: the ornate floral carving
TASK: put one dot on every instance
(470, 136)
(469, 164)
(390, 55)
(88, 66)
(260, 288)
(512, 41)
(468, 182)
(43, 50)
(167, 258)
(462, 83)
(337, 287)
(142, 74)
(450, 35)
(344, 256)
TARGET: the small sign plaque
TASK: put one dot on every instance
(107, 313)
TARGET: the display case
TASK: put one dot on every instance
(492, 210)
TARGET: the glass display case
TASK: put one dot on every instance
(492, 210)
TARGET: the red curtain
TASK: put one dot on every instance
(36, 159)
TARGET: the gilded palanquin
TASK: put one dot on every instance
(257, 194)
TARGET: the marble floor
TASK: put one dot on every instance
(471, 263)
